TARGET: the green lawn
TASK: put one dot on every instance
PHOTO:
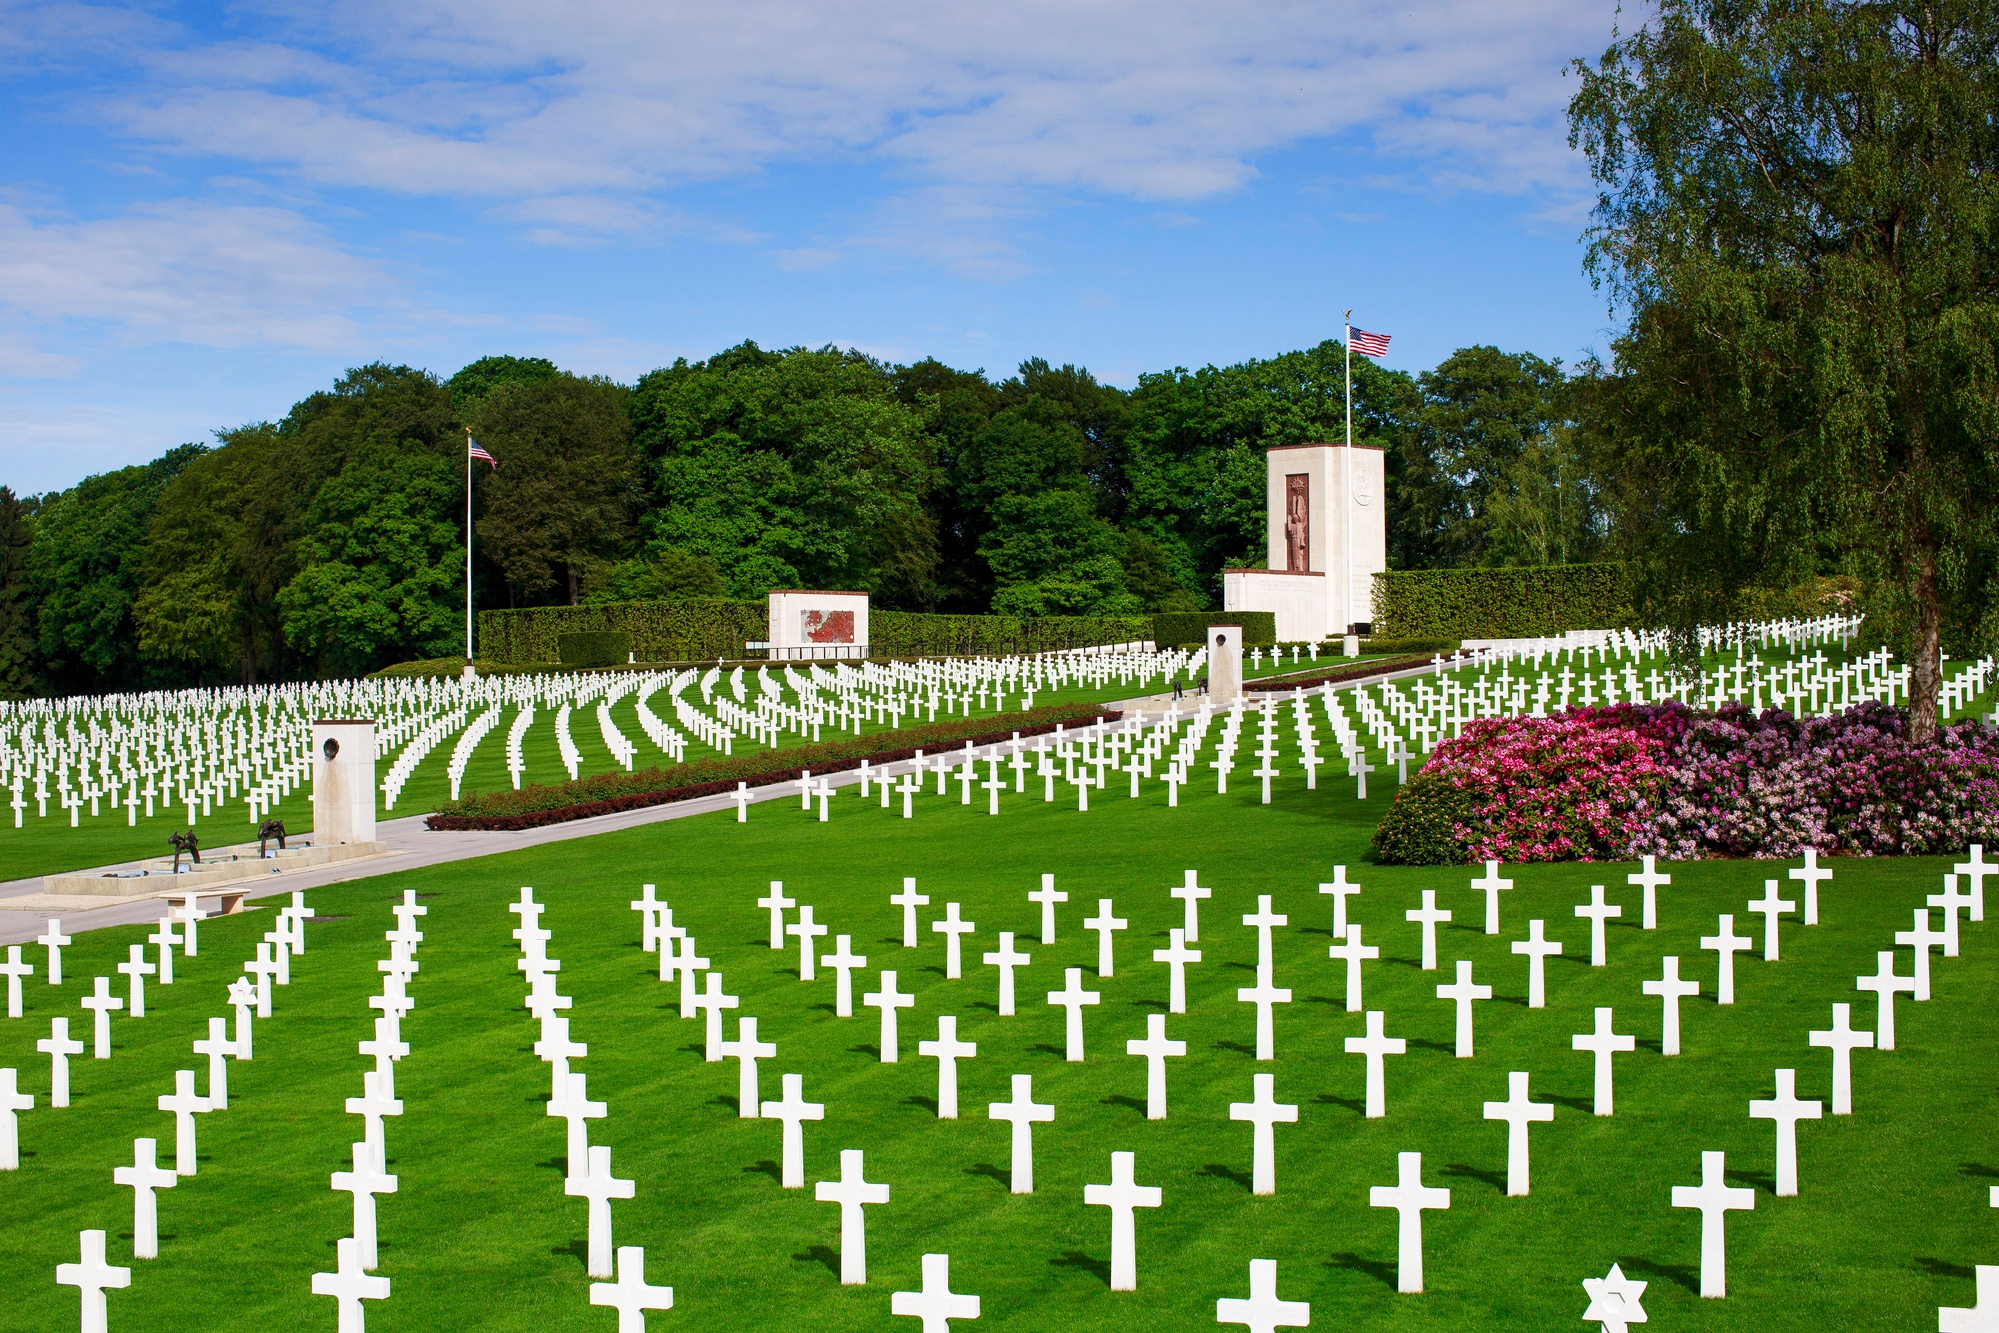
(1892, 1216)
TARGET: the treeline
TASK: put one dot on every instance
(332, 541)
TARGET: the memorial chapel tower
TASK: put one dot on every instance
(1327, 539)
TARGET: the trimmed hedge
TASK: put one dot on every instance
(915, 634)
(1524, 602)
(608, 793)
(594, 648)
(1371, 646)
(1337, 675)
(1259, 628)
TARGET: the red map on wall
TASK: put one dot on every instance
(829, 626)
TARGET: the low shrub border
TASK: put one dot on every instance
(1502, 603)
(1337, 676)
(608, 793)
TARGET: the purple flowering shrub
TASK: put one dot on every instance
(1616, 783)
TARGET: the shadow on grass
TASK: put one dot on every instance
(1448, 1048)
(1493, 1178)
(1756, 1180)
(1077, 1259)
(866, 1048)
(731, 1104)
(989, 1008)
(1240, 967)
(699, 1048)
(1148, 1004)
(938, 970)
(1940, 1267)
(1234, 1046)
(1052, 1050)
(820, 1254)
(554, 1164)
(1586, 1105)
(927, 1103)
(829, 1008)
(1377, 1269)
(767, 1167)
(1221, 1172)
(1683, 1275)
(578, 1248)
(1119, 1099)
(1354, 1104)
(1974, 1169)
(988, 1169)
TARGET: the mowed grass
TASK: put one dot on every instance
(1892, 1216)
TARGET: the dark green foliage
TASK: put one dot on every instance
(17, 599)
(1499, 603)
(1421, 827)
(669, 575)
(1410, 645)
(472, 384)
(1258, 627)
(593, 648)
(905, 634)
(517, 809)
(691, 629)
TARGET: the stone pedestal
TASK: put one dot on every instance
(1224, 663)
(343, 780)
(815, 625)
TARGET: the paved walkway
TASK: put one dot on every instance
(413, 847)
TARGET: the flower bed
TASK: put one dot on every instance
(1596, 784)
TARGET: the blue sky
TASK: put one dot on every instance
(207, 212)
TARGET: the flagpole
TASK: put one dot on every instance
(1346, 487)
(468, 551)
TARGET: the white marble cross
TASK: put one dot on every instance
(1409, 1197)
(748, 1050)
(794, 1110)
(101, 1002)
(1263, 995)
(1671, 989)
(888, 1000)
(1884, 983)
(1716, 1199)
(1122, 1196)
(688, 966)
(1359, 768)
(1493, 886)
(953, 930)
(218, 1048)
(53, 940)
(599, 1186)
(1598, 911)
(1463, 991)
(1006, 958)
(372, 1106)
(711, 1003)
(1263, 1111)
(629, 1295)
(368, 1178)
(1429, 915)
(1048, 895)
(1073, 997)
(1922, 939)
(12, 1102)
(262, 968)
(243, 999)
(1023, 1112)
(185, 1106)
(948, 1050)
(936, 1305)
(1812, 874)
(1104, 924)
(145, 1176)
(573, 1106)
(554, 1047)
(1341, 890)
(909, 900)
(1262, 919)
(1787, 1111)
(15, 970)
(350, 1284)
(776, 903)
(649, 908)
(1771, 908)
(1374, 1046)
(1538, 951)
(1603, 1043)
(741, 796)
(1155, 1048)
(1650, 880)
(1518, 1113)
(136, 969)
(165, 939)
(852, 1191)
(91, 1277)
(1726, 943)
(1263, 1312)
(1354, 952)
(1613, 1301)
(58, 1046)
(1176, 957)
(1949, 900)
(808, 932)
(1980, 1318)
(1843, 1041)
(1191, 895)
(843, 960)
(1975, 870)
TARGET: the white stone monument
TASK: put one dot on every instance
(1614, 1301)
(1716, 1199)
(1122, 1196)
(1263, 1312)
(1224, 663)
(1727, 944)
(59, 1046)
(1073, 998)
(1327, 538)
(1538, 950)
(775, 902)
(1409, 1197)
(1341, 889)
(852, 1191)
(1048, 895)
(817, 625)
(1598, 911)
(909, 900)
(343, 780)
(1492, 886)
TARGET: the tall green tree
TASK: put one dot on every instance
(1483, 447)
(17, 599)
(1797, 207)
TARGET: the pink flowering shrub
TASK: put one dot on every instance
(1615, 783)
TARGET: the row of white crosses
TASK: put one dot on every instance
(619, 1282)
(354, 1279)
(93, 1275)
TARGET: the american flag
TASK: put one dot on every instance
(1369, 344)
(473, 449)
